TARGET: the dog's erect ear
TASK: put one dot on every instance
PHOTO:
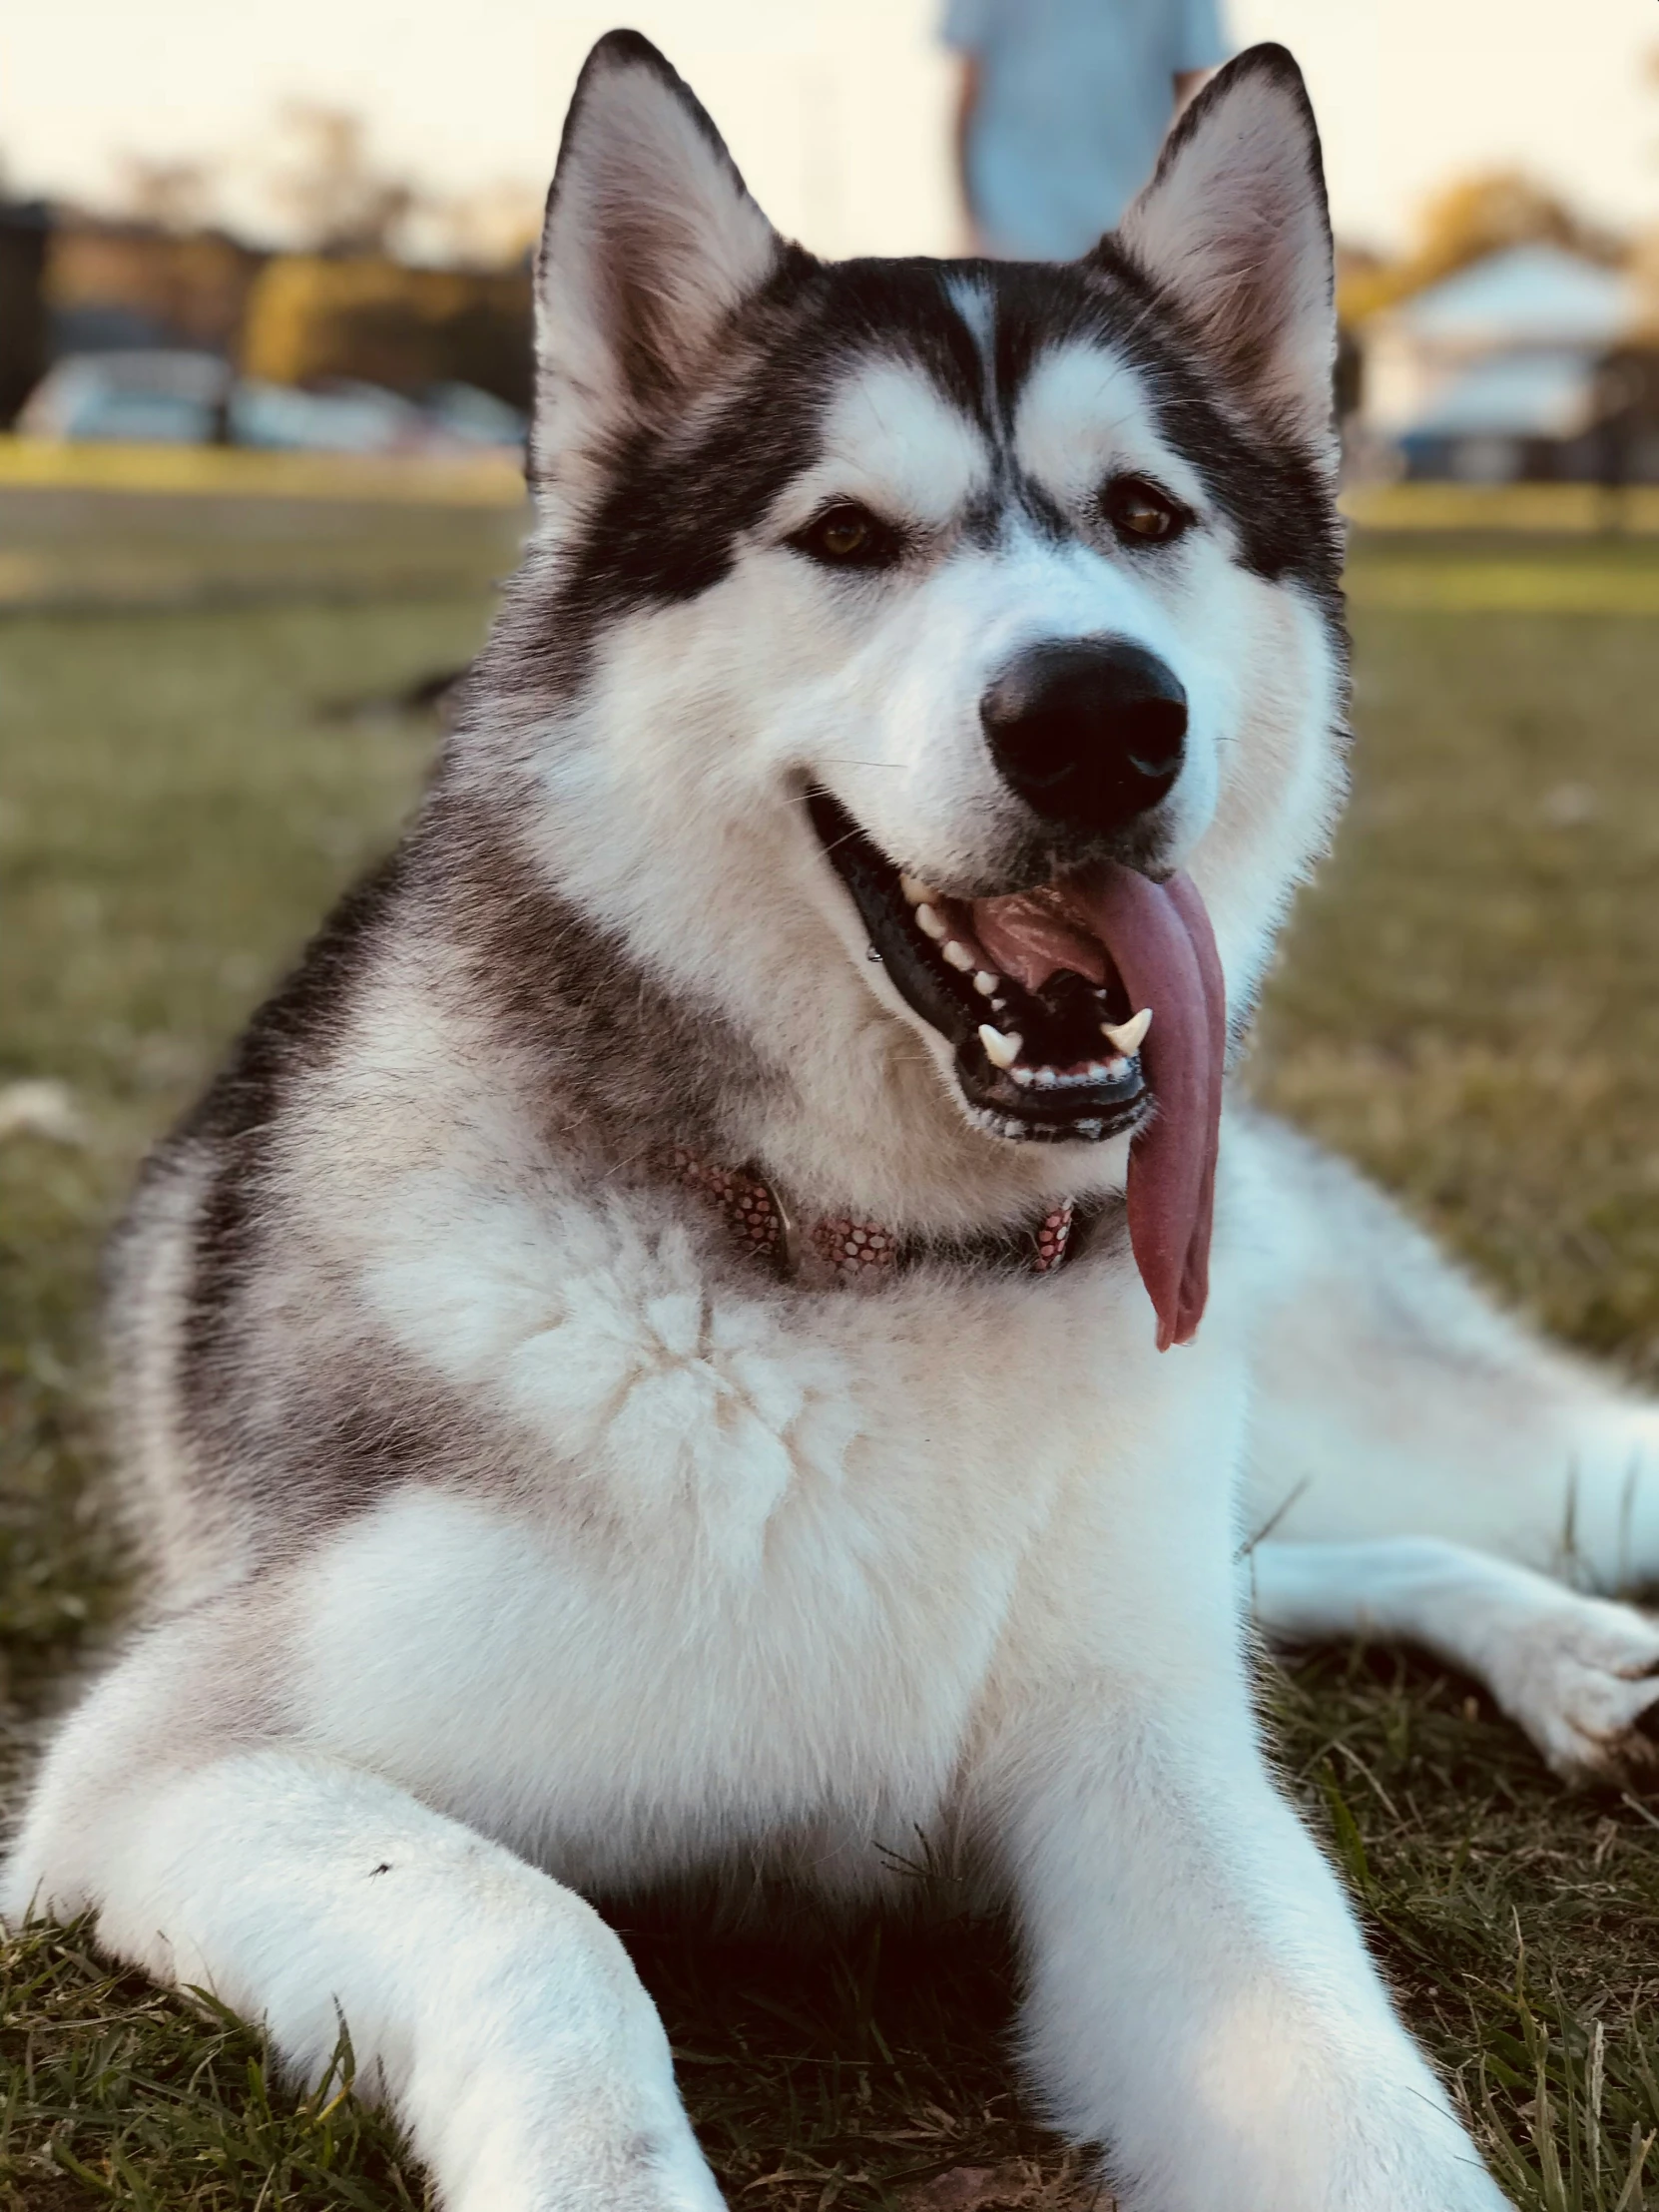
(650, 241)
(1233, 227)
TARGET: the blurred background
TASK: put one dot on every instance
(305, 229)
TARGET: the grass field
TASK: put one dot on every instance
(1468, 1006)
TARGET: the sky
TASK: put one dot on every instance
(837, 110)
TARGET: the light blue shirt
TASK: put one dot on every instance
(1074, 99)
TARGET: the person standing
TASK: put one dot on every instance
(1063, 107)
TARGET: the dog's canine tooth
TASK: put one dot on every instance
(917, 893)
(958, 955)
(1127, 1036)
(929, 923)
(1001, 1050)
(985, 984)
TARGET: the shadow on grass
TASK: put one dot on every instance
(869, 2074)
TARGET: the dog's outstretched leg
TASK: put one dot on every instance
(491, 2008)
(1427, 1471)
(1199, 1997)
(1394, 1400)
(1576, 1673)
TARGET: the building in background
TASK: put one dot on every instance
(1501, 370)
(313, 318)
(127, 330)
(117, 285)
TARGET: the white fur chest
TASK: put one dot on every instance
(757, 1566)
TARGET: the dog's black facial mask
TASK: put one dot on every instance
(686, 352)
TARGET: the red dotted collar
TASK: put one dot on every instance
(849, 1250)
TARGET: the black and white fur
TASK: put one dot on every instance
(515, 1543)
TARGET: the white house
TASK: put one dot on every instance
(1469, 377)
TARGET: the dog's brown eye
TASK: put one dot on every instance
(843, 534)
(1139, 510)
(848, 536)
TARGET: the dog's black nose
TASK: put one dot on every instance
(1090, 731)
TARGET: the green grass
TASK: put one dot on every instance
(1468, 1006)
(1468, 1003)
(66, 547)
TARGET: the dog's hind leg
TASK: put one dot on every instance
(491, 2008)
(1578, 1673)
(1393, 1399)
(1421, 1468)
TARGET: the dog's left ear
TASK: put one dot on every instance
(1235, 228)
(651, 240)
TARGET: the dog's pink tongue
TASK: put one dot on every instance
(1159, 935)
(1160, 941)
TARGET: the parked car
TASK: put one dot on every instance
(148, 396)
(185, 398)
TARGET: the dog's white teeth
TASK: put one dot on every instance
(1027, 1077)
(1128, 1036)
(985, 984)
(1002, 1051)
(917, 893)
(958, 955)
(929, 923)
(1095, 1072)
(1045, 1078)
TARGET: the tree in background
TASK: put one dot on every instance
(1486, 214)
(334, 197)
(1463, 223)
(314, 316)
(170, 196)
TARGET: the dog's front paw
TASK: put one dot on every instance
(561, 2136)
(645, 2174)
(1581, 1677)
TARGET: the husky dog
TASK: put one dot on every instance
(657, 1355)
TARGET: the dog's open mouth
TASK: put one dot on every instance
(1045, 1039)
(1079, 1011)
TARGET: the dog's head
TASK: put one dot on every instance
(901, 643)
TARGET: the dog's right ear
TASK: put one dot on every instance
(651, 240)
